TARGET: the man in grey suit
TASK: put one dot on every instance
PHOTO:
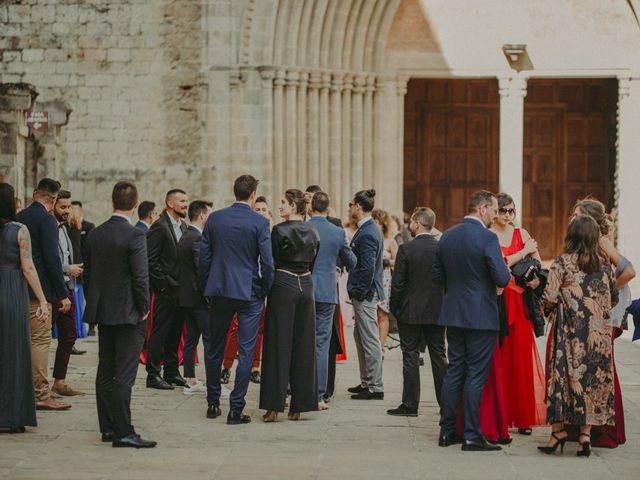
(415, 301)
(333, 246)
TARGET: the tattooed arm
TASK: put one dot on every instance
(28, 268)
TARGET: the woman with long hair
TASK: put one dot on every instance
(17, 397)
(289, 352)
(74, 230)
(580, 293)
(384, 221)
(522, 372)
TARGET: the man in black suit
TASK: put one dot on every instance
(191, 300)
(43, 230)
(116, 276)
(167, 325)
(146, 216)
(415, 301)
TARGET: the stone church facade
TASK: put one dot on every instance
(416, 98)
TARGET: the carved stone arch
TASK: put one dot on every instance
(293, 27)
(357, 53)
(315, 33)
(303, 33)
(337, 40)
(280, 34)
(254, 48)
(376, 56)
(355, 12)
(372, 30)
(328, 31)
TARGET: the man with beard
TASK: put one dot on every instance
(167, 324)
(65, 320)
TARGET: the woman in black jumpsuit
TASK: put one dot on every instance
(289, 355)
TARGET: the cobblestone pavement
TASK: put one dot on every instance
(354, 439)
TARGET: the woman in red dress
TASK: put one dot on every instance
(523, 377)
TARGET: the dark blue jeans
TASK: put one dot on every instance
(221, 314)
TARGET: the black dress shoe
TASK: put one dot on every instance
(176, 380)
(403, 411)
(357, 389)
(75, 351)
(236, 418)
(421, 361)
(108, 437)
(326, 399)
(367, 395)
(479, 445)
(448, 440)
(255, 377)
(505, 441)
(213, 411)
(158, 383)
(225, 375)
(133, 441)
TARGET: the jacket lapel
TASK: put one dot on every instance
(170, 225)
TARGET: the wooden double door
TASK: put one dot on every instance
(451, 149)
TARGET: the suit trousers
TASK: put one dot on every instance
(166, 331)
(470, 352)
(197, 321)
(67, 335)
(40, 342)
(290, 346)
(118, 357)
(411, 336)
(324, 328)
(367, 341)
(221, 314)
(231, 350)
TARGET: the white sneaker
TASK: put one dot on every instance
(194, 389)
(224, 392)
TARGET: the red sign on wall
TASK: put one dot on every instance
(38, 121)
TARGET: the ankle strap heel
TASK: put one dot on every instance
(586, 446)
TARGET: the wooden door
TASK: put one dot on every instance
(451, 145)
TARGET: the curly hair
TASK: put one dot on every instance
(596, 210)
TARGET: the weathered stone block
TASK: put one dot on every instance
(118, 55)
(33, 55)
(19, 14)
(9, 56)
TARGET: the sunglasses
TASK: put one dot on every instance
(508, 211)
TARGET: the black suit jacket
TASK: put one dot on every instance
(190, 295)
(116, 274)
(162, 247)
(415, 297)
(43, 229)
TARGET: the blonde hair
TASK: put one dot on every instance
(74, 219)
(384, 219)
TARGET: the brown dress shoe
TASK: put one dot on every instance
(66, 391)
(51, 404)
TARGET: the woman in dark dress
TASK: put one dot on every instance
(17, 397)
(289, 352)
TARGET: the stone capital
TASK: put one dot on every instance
(626, 85)
(304, 79)
(315, 80)
(511, 87)
(292, 79)
(337, 82)
(279, 79)
(359, 84)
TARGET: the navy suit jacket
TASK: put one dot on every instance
(235, 254)
(43, 229)
(469, 264)
(333, 246)
(142, 226)
(365, 279)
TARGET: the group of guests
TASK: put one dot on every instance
(244, 284)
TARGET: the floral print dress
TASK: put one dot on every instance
(580, 369)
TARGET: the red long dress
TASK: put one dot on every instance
(523, 377)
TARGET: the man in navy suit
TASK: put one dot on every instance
(146, 216)
(237, 269)
(333, 246)
(365, 289)
(43, 230)
(470, 266)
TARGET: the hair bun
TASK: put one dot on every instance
(370, 193)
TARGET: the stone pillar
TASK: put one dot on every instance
(335, 165)
(313, 128)
(357, 100)
(347, 187)
(629, 171)
(302, 130)
(401, 91)
(278, 134)
(291, 128)
(387, 178)
(324, 129)
(368, 174)
(15, 100)
(512, 93)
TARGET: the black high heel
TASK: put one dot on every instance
(560, 441)
(586, 446)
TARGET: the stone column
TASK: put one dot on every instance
(335, 164)
(629, 171)
(347, 187)
(313, 128)
(278, 134)
(368, 174)
(324, 130)
(291, 129)
(15, 100)
(302, 130)
(386, 180)
(357, 100)
(512, 93)
(401, 91)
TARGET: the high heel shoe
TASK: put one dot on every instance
(270, 416)
(586, 446)
(560, 441)
(294, 416)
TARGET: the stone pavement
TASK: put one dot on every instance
(353, 440)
